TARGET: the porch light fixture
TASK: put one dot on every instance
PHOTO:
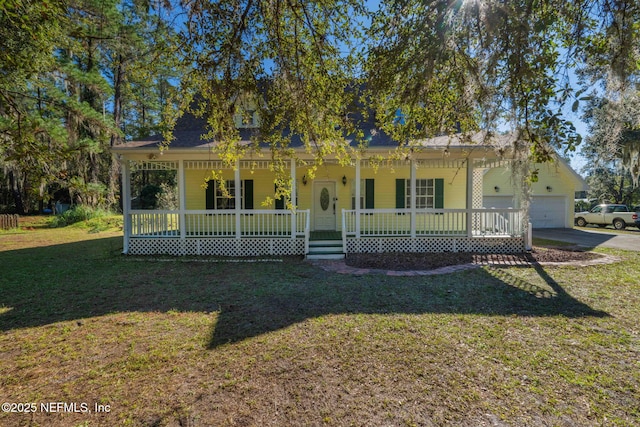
(496, 189)
(344, 180)
(549, 188)
(304, 179)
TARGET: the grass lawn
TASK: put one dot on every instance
(183, 342)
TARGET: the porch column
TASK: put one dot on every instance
(126, 204)
(469, 222)
(293, 199)
(413, 198)
(357, 184)
(182, 200)
(238, 197)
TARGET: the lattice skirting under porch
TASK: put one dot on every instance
(502, 245)
(221, 247)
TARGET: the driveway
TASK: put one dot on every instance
(590, 238)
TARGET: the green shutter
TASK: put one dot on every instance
(400, 193)
(248, 194)
(439, 193)
(369, 192)
(280, 200)
(211, 195)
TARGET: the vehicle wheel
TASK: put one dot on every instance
(619, 224)
(580, 222)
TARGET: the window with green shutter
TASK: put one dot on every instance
(429, 193)
(366, 194)
(217, 199)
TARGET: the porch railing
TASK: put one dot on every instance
(432, 222)
(154, 223)
(219, 223)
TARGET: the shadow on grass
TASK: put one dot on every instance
(81, 280)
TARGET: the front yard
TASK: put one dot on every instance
(192, 342)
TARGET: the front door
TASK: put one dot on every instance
(324, 205)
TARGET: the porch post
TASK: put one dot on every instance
(293, 199)
(126, 204)
(469, 198)
(357, 184)
(238, 197)
(182, 200)
(413, 198)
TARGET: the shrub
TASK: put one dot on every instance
(77, 214)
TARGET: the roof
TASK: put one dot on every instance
(189, 130)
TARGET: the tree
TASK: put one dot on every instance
(141, 61)
(28, 31)
(610, 150)
(612, 65)
(290, 60)
(65, 97)
(50, 104)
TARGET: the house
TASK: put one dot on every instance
(453, 194)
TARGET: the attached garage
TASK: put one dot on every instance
(548, 212)
(552, 194)
(545, 212)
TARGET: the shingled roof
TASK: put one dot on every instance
(189, 130)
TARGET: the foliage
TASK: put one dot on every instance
(610, 185)
(290, 61)
(161, 196)
(80, 76)
(582, 206)
(63, 64)
(78, 213)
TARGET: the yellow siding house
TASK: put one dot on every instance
(450, 195)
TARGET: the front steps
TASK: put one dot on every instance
(325, 249)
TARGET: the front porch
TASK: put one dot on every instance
(277, 232)
(438, 208)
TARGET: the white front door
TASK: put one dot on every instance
(324, 205)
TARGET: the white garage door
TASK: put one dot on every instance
(546, 211)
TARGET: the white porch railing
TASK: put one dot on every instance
(219, 223)
(498, 222)
(154, 223)
(432, 222)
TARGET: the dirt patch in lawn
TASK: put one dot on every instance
(431, 260)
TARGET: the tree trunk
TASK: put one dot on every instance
(619, 193)
(17, 193)
(114, 169)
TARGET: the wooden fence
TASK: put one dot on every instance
(8, 221)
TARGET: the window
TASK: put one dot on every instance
(429, 193)
(366, 194)
(248, 118)
(281, 202)
(216, 199)
(424, 193)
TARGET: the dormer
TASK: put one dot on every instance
(246, 116)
